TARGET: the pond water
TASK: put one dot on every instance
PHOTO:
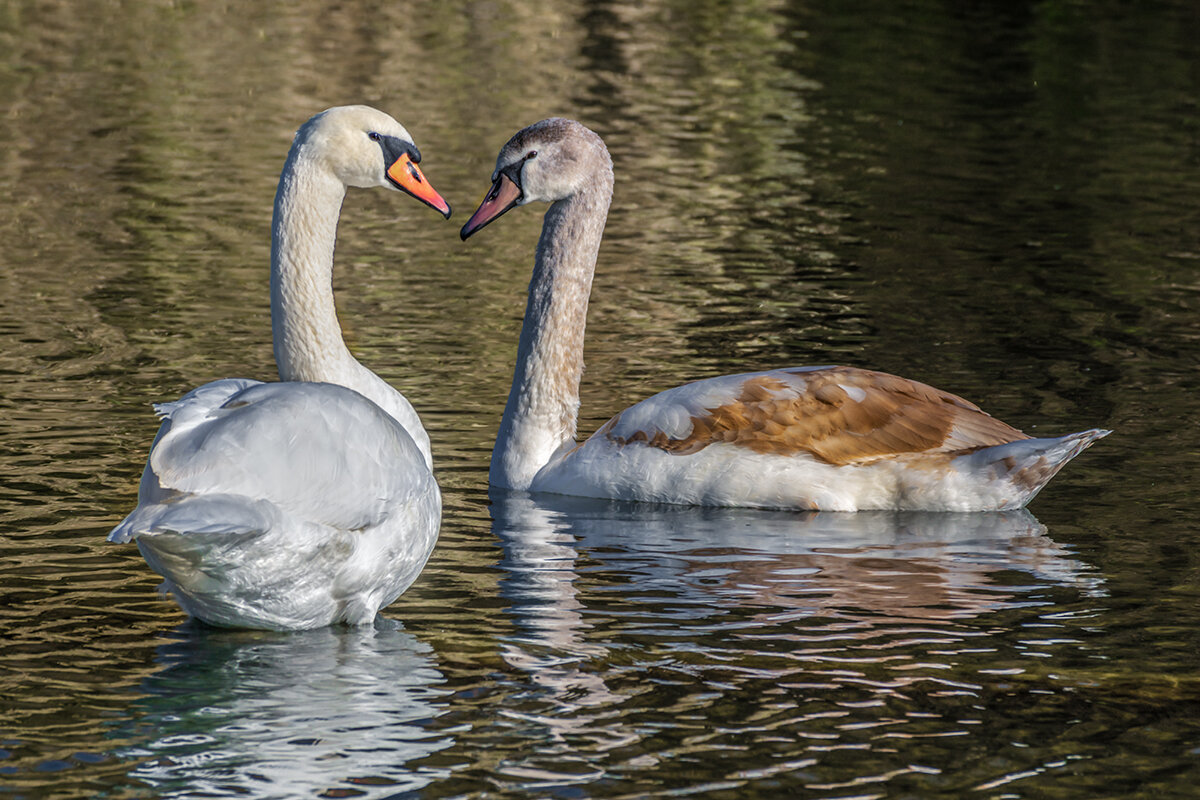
(1002, 200)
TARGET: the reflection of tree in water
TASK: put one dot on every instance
(267, 714)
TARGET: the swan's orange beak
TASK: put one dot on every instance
(408, 177)
(504, 195)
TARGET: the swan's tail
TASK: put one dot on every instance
(197, 544)
(196, 517)
(1027, 465)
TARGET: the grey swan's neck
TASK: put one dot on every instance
(543, 404)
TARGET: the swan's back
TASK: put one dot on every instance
(283, 505)
(838, 415)
(317, 451)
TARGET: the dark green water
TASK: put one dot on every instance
(1002, 200)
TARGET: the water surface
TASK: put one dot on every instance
(1000, 201)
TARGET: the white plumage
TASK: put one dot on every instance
(818, 438)
(310, 501)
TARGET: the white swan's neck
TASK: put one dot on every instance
(308, 339)
(543, 404)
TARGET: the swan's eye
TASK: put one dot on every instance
(531, 154)
(373, 136)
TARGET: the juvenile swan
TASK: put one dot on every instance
(299, 504)
(829, 438)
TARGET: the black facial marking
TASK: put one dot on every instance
(393, 147)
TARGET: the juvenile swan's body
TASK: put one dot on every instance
(311, 501)
(829, 438)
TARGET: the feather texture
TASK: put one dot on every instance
(310, 501)
(829, 438)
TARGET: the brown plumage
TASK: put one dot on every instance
(833, 438)
(894, 416)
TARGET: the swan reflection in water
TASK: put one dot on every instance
(260, 714)
(682, 578)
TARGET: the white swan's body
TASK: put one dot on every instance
(828, 438)
(310, 501)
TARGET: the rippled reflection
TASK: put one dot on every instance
(729, 637)
(885, 565)
(335, 712)
(998, 199)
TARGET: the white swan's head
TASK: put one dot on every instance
(549, 161)
(365, 148)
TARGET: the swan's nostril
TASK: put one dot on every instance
(416, 175)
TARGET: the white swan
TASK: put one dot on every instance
(829, 438)
(305, 503)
